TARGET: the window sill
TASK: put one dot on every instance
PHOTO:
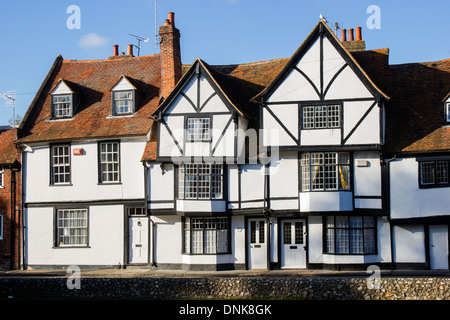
(60, 119)
(72, 247)
(124, 115)
(108, 183)
(61, 185)
(434, 186)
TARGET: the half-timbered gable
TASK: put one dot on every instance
(322, 98)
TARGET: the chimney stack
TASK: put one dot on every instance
(130, 50)
(115, 50)
(355, 41)
(170, 55)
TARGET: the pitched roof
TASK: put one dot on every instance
(92, 81)
(8, 152)
(415, 119)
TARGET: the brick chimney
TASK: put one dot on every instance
(170, 55)
(354, 43)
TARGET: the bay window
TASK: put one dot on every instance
(350, 234)
(206, 235)
(200, 181)
(325, 171)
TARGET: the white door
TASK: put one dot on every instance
(257, 244)
(439, 247)
(293, 244)
(138, 240)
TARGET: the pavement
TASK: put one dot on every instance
(148, 272)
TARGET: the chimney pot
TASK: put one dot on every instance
(130, 50)
(343, 35)
(358, 36)
(172, 18)
(351, 35)
(115, 50)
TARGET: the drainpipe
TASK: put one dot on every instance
(391, 227)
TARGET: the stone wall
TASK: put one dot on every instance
(305, 288)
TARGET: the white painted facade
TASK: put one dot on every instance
(106, 204)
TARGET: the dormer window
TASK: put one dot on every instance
(64, 100)
(123, 97)
(62, 105)
(123, 102)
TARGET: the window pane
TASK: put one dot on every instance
(287, 233)
(356, 241)
(262, 231)
(308, 117)
(441, 172)
(427, 172)
(60, 164)
(299, 233)
(341, 240)
(123, 102)
(198, 129)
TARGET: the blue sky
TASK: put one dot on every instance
(33, 33)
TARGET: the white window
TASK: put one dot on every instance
(62, 105)
(200, 181)
(321, 117)
(72, 227)
(2, 177)
(123, 102)
(198, 129)
(109, 162)
(138, 211)
(60, 162)
(206, 235)
(325, 171)
(350, 235)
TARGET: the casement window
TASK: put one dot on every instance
(2, 177)
(109, 162)
(434, 173)
(62, 105)
(324, 171)
(206, 235)
(321, 117)
(198, 129)
(123, 102)
(200, 181)
(60, 164)
(350, 235)
(71, 227)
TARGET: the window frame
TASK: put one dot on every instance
(188, 136)
(447, 112)
(52, 165)
(71, 104)
(187, 243)
(433, 184)
(100, 163)
(306, 171)
(2, 177)
(326, 228)
(57, 243)
(114, 105)
(328, 122)
(211, 178)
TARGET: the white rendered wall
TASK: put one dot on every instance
(284, 181)
(106, 234)
(84, 175)
(407, 200)
(409, 244)
(161, 186)
(367, 181)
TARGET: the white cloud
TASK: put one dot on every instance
(92, 40)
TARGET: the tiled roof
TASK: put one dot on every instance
(8, 150)
(415, 112)
(92, 80)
